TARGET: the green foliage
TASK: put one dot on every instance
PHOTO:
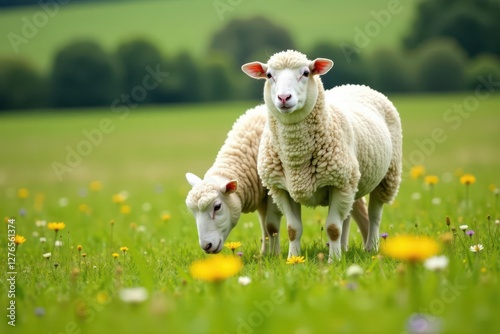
(391, 72)
(84, 74)
(251, 39)
(441, 66)
(136, 57)
(483, 66)
(473, 24)
(21, 86)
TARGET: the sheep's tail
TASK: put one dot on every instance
(388, 188)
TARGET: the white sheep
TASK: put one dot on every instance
(232, 186)
(326, 148)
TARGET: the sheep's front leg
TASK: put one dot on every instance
(292, 212)
(344, 238)
(272, 225)
(262, 211)
(338, 212)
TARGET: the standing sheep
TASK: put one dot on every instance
(326, 148)
(232, 186)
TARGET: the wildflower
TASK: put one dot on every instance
(448, 221)
(354, 271)
(244, 280)
(84, 255)
(295, 259)
(436, 263)
(446, 237)
(470, 233)
(79, 247)
(497, 222)
(124, 249)
(133, 226)
(39, 311)
(384, 235)
(216, 268)
(40, 223)
(133, 295)
(423, 323)
(125, 209)
(102, 297)
(63, 201)
(410, 248)
(56, 226)
(165, 217)
(115, 255)
(240, 254)
(476, 248)
(23, 193)
(436, 201)
(146, 207)
(35, 234)
(416, 196)
(417, 171)
(464, 227)
(431, 180)
(84, 208)
(467, 179)
(95, 185)
(232, 245)
(118, 198)
(22, 212)
(47, 255)
(58, 243)
(43, 240)
(19, 239)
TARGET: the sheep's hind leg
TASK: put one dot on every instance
(375, 208)
(272, 225)
(292, 212)
(344, 238)
(360, 215)
(262, 211)
(338, 211)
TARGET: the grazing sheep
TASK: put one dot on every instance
(326, 148)
(232, 186)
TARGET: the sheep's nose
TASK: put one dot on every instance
(284, 97)
(207, 247)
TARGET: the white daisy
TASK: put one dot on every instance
(436, 263)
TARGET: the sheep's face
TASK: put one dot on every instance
(290, 87)
(214, 209)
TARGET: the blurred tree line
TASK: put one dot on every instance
(452, 44)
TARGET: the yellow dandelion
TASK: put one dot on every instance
(79, 247)
(125, 209)
(165, 217)
(417, 171)
(118, 198)
(19, 239)
(124, 249)
(95, 185)
(115, 255)
(216, 268)
(410, 248)
(232, 245)
(102, 298)
(467, 179)
(84, 208)
(23, 193)
(295, 259)
(431, 180)
(56, 226)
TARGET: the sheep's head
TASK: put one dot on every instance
(216, 209)
(291, 89)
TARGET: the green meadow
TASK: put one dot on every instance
(143, 154)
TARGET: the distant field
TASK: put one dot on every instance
(189, 25)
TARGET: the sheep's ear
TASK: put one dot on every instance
(230, 187)
(320, 66)
(256, 70)
(192, 179)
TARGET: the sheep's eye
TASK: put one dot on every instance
(306, 73)
(268, 75)
(217, 207)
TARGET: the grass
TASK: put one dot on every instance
(161, 22)
(147, 153)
